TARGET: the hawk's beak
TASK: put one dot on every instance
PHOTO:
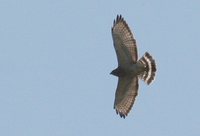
(111, 73)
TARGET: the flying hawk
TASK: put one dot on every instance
(129, 69)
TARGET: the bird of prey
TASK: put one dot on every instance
(129, 69)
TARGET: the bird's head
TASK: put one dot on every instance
(116, 72)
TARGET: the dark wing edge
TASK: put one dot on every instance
(122, 36)
(127, 90)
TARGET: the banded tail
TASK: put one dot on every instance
(150, 68)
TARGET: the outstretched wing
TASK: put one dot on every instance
(124, 42)
(125, 95)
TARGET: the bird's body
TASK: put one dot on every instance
(132, 71)
(129, 69)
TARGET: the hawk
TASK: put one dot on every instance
(129, 69)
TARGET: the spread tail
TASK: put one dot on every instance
(150, 68)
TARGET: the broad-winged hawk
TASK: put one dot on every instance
(129, 69)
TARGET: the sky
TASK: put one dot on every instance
(56, 56)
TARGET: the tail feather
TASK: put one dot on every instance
(150, 68)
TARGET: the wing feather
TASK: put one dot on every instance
(125, 95)
(124, 42)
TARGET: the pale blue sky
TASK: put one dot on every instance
(56, 56)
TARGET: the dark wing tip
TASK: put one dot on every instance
(118, 19)
(122, 115)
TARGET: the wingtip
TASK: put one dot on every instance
(122, 115)
(118, 18)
